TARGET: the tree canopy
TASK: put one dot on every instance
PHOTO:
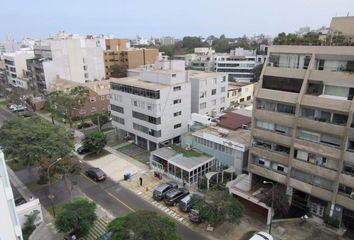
(257, 70)
(143, 225)
(217, 207)
(77, 217)
(33, 140)
(95, 141)
(66, 102)
(281, 201)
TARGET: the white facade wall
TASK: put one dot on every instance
(15, 71)
(163, 108)
(10, 226)
(202, 93)
(79, 60)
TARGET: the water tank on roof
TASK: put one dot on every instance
(203, 119)
(223, 131)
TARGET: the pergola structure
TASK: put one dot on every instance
(179, 167)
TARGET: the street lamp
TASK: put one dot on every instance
(51, 196)
(271, 214)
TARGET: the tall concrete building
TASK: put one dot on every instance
(127, 59)
(303, 135)
(10, 225)
(153, 107)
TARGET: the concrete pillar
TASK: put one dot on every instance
(289, 193)
(331, 210)
(136, 139)
(148, 145)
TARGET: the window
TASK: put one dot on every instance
(213, 102)
(202, 105)
(174, 75)
(147, 130)
(213, 91)
(222, 100)
(311, 136)
(223, 79)
(203, 94)
(215, 80)
(248, 98)
(146, 118)
(265, 125)
(301, 155)
(85, 67)
(92, 99)
(117, 108)
(177, 101)
(153, 94)
(350, 145)
(177, 88)
(86, 75)
(223, 89)
(93, 109)
(118, 119)
(177, 114)
(177, 125)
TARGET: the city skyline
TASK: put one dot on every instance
(197, 18)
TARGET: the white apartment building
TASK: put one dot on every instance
(152, 107)
(209, 92)
(15, 66)
(10, 226)
(238, 64)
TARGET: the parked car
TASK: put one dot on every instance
(12, 106)
(19, 108)
(186, 203)
(261, 236)
(107, 236)
(82, 150)
(24, 113)
(194, 216)
(84, 125)
(173, 196)
(96, 174)
(160, 191)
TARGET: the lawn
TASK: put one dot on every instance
(247, 235)
(3, 102)
(186, 153)
(94, 156)
(15, 165)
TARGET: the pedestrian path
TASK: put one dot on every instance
(98, 229)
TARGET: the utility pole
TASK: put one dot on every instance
(51, 196)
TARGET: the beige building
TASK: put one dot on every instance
(303, 129)
(239, 92)
(127, 59)
(342, 26)
(116, 44)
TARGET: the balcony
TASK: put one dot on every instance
(286, 97)
(347, 179)
(320, 126)
(272, 136)
(267, 154)
(274, 117)
(314, 169)
(317, 148)
(345, 201)
(285, 72)
(330, 104)
(349, 156)
(344, 78)
(310, 189)
(267, 173)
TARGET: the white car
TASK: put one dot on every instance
(261, 236)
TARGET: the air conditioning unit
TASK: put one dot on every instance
(352, 195)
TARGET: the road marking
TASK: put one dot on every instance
(110, 194)
(88, 178)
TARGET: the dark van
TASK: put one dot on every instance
(160, 191)
(173, 196)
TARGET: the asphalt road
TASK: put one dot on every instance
(119, 201)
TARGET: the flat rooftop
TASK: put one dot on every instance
(203, 75)
(177, 159)
(241, 136)
(100, 87)
(136, 82)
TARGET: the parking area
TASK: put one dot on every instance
(136, 152)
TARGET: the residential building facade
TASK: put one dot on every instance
(15, 68)
(153, 107)
(303, 135)
(209, 92)
(10, 224)
(98, 97)
(238, 92)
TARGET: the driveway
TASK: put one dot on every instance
(114, 166)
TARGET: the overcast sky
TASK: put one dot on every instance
(128, 18)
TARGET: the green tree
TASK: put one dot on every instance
(33, 140)
(118, 71)
(231, 78)
(143, 225)
(95, 141)
(193, 42)
(100, 119)
(281, 200)
(77, 217)
(66, 102)
(29, 226)
(218, 207)
(257, 70)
